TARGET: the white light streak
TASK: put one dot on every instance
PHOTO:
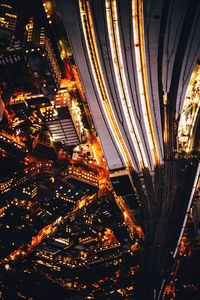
(139, 47)
(114, 39)
(90, 40)
(188, 210)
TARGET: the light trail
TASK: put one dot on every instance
(91, 45)
(183, 226)
(188, 210)
(139, 47)
(115, 46)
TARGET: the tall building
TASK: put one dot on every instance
(15, 74)
(41, 58)
(43, 146)
(121, 70)
(60, 125)
(138, 63)
(8, 19)
(101, 198)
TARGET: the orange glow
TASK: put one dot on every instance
(184, 246)
(69, 72)
(169, 290)
(43, 233)
(108, 234)
(17, 253)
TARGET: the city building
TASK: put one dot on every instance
(99, 149)
(41, 58)
(8, 19)
(60, 125)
